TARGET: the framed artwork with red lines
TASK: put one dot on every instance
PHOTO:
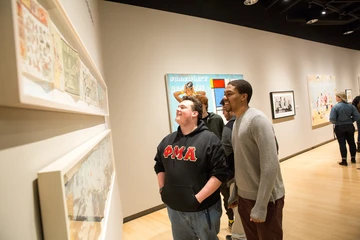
(210, 85)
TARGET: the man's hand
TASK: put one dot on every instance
(197, 199)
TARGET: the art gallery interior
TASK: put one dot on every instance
(131, 49)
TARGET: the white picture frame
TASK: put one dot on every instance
(75, 191)
(45, 74)
(321, 90)
(349, 97)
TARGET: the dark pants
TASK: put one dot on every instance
(358, 128)
(225, 191)
(345, 133)
(271, 229)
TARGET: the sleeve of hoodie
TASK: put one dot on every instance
(217, 161)
(159, 167)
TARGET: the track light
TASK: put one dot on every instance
(311, 20)
(351, 27)
(250, 2)
(312, 15)
(348, 29)
(347, 32)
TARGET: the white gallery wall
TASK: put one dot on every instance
(32, 139)
(141, 45)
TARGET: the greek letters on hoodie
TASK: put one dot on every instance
(188, 162)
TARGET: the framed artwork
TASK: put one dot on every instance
(50, 72)
(348, 95)
(75, 191)
(322, 90)
(210, 85)
(282, 104)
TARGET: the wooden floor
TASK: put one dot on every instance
(322, 201)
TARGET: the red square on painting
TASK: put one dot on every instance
(219, 83)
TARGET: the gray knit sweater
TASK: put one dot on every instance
(257, 169)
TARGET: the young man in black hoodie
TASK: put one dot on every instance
(190, 166)
(213, 121)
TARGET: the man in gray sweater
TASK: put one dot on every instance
(257, 170)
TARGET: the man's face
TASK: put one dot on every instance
(226, 106)
(184, 113)
(226, 114)
(226, 109)
(234, 99)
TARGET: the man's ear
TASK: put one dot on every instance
(195, 113)
(244, 97)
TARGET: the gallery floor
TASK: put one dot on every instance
(322, 201)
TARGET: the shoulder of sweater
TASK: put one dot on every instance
(253, 113)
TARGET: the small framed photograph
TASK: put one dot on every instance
(348, 95)
(282, 104)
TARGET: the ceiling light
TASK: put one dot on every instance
(250, 2)
(348, 32)
(323, 12)
(348, 29)
(311, 20)
(351, 27)
(312, 15)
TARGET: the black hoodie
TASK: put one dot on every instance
(188, 162)
(214, 123)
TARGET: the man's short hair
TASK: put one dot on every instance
(197, 106)
(242, 86)
(203, 99)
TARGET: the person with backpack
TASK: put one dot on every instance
(356, 103)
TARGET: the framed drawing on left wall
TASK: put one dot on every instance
(75, 191)
(45, 65)
(282, 104)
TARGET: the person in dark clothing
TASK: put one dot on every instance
(213, 121)
(343, 115)
(226, 142)
(190, 166)
(356, 103)
(226, 188)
